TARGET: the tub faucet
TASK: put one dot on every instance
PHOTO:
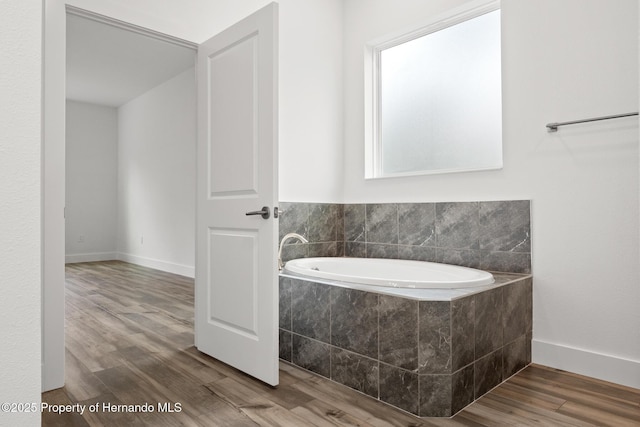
(284, 239)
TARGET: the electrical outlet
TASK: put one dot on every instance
(81, 238)
(142, 239)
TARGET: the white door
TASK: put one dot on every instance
(236, 305)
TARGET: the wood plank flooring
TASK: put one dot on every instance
(129, 340)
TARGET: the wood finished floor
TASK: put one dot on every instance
(129, 340)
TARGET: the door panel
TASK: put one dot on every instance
(233, 107)
(224, 244)
(236, 258)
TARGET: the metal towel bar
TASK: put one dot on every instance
(553, 127)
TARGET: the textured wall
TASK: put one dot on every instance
(20, 245)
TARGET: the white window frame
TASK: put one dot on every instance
(373, 142)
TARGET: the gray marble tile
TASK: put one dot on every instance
(488, 321)
(284, 297)
(312, 355)
(417, 224)
(398, 329)
(354, 321)
(505, 226)
(464, 257)
(326, 249)
(517, 298)
(417, 253)
(285, 338)
(382, 223)
(340, 223)
(457, 225)
(513, 262)
(310, 310)
(435, 395)
(378, 250)
(462, 388)
(294, 218)
(399, 388)
(354, 223)
(434, 356)
(355, 371)
(516, 356)
(463, 312)
(323, 222)
(491, 236)
(355, 249)
(488, 372)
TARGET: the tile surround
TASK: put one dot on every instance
(310, 310)
(429, 358)
(494, 236)
(398, 314)
(435, 334)
(355, 371)
(354, 321)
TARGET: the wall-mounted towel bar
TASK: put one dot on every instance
(553, 127)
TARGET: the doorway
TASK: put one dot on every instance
(130, 146)
(249, 46)
(88, 233)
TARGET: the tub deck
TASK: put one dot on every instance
(501, 279)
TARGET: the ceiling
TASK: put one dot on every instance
(110, 65)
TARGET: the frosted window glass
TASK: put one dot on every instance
(440, 101)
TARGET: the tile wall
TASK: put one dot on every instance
(429, 358)
(494, 236)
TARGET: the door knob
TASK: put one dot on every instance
(264, 213)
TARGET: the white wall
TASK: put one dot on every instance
(311, 101)
(91, 182)
(561, 61)
(113, 200)
(156, 177)
(20, 209)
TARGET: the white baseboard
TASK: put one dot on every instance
(596, 365)
(90, 257)
(169, 267)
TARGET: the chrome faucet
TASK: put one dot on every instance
(284, 239)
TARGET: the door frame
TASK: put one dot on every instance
(53, 179)
(53, 195)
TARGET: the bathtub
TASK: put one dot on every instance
(390, 273)
(418, 349)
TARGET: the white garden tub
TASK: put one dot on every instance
(390, 273)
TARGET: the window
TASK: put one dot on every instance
(437, 99)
